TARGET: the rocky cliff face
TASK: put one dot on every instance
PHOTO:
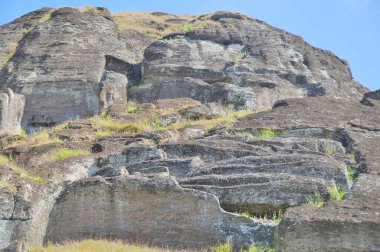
(180, 164)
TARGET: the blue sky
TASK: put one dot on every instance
(348, 28)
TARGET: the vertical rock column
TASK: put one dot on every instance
(11, 111)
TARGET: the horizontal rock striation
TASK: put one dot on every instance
(238, 60)
(166, 173)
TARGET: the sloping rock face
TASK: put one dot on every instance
(62, 66)
(11, 111)
(167, 172)
(243, 61)
(154, 210)
(354, 223)
(171, 188)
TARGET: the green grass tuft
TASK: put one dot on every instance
(329, 149)
(20, 171)
(268, 133)
(352, 173)
(316, 201)
(23, 134)
(336, 193)
(186, 27)
(65, 153)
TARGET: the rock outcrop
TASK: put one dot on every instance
(11, 111)
(182, 172)
(62, 67)
(243, 61)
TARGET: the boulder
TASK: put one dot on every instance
(153, 210)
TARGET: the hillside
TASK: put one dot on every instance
(182, 132)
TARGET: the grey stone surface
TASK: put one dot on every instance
(176, 217)
(11, 112)
(242, 61)
(68, 53)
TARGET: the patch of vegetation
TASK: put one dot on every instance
(38, 138)
(6, 184)
(91, 9)
(64, 153)
(329, 149)
(135, 87)
(95, 245)
(351, 156)
(275, 216)
(46, 18)
(20, 171)
(241, 55)
(23, 133)
(102, 134)
(228, 248)
(352, 172)
(131, 107)
(187, 27)
(336, 193)
(268, 133)
(109, 125)
(5, 58)
(317, 201)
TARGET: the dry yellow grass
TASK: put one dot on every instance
(156, 26)
(20, 171)
(97, 246)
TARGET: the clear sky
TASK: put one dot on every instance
(348, 28)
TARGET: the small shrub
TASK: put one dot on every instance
(329, 149)
(268, 133)
(336, 193)
(241, 55)
(316, 201)
(132, 110)
(186, 27)
(65, 153)
(23, 133)
(352, 173)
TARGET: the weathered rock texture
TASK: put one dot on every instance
(154, 211)
(354, 223)
(158, 172)
(11, 111)
(243, 61)
(62, 66)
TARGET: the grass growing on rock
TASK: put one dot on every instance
(107, 125)
(95, 246)
(20, 171)
(317, 201)
(227, 247)
(65, 153)
(329, 149)
(38, 138)
(275, 216)
(352, 173)
(336, 193)
(268, 133)
(119, 246)
(4, 183)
